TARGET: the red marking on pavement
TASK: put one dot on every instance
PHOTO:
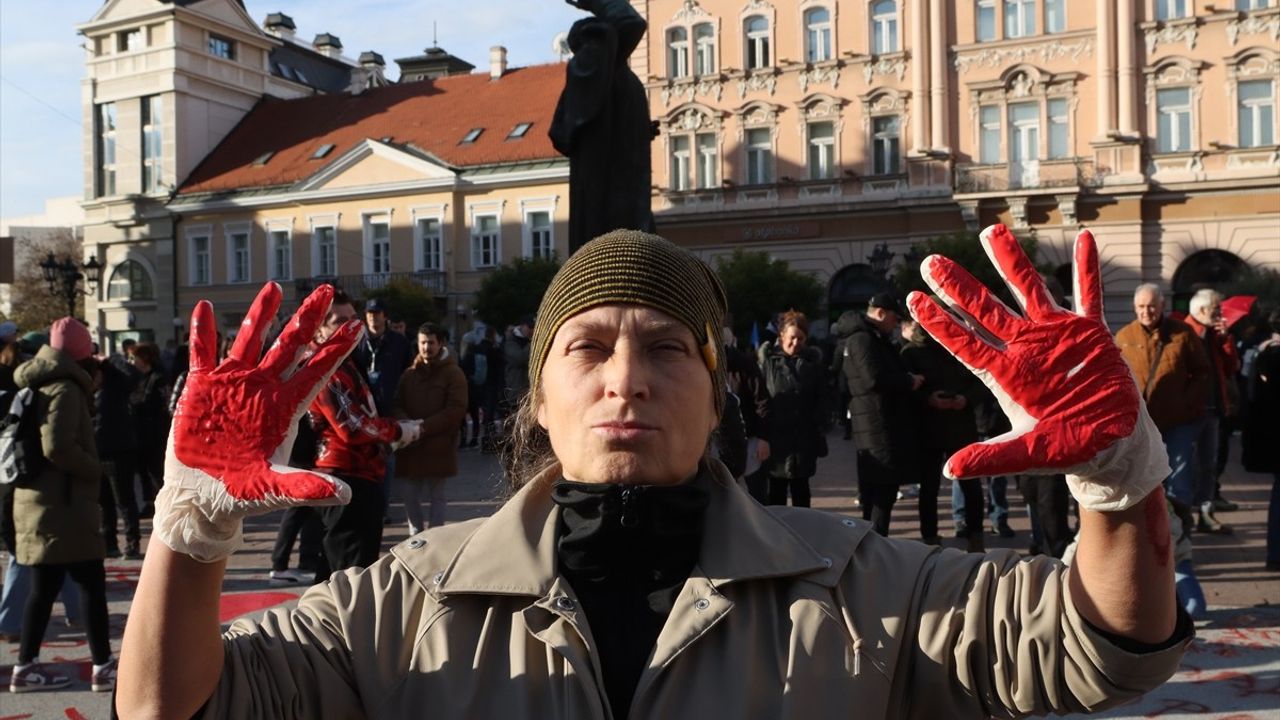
(231, 607)
(1173, 705)
(17, 717)
(74, 714)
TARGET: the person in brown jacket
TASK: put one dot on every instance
(1172, 371)
(433, 390)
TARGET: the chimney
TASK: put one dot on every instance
(328, 45)
(280, 25)
(497, 62)
(375, 70)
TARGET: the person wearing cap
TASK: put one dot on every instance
(383, 355)
(880, 407)
(57, 518)
(629, 576)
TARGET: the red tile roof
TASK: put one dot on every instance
(431, 115)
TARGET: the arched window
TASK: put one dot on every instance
(678, 52)
(817, 35)
(704, 41)
(130, 281)
(884, 27)
(757, 42)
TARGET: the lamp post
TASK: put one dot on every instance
(880, 258)
(64, 276)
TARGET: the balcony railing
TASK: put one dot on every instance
(359, 285)
(1034, 175)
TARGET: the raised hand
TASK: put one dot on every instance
(1058, 376)
(235, 423)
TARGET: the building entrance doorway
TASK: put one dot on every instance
(1207, 268)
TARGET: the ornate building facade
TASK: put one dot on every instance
(819, 129)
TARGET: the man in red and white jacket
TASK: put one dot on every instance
(1207, 322)
(353, 443)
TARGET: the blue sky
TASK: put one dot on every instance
(42, 65)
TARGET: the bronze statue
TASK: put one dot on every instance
(602, 124)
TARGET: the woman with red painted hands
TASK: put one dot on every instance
(630, 576)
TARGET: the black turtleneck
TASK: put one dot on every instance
(626, 551)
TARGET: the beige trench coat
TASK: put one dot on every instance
(790, 614)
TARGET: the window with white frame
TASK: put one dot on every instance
(430, 244)
(1173, 120)
(708, 161)
(817, 35)
(680, 162)
(1019, 18)
(152, 143)
(1252, 4)
(280, 247)
(222, 47)
(1024, 132)
(989, 134)
(756, 39)
(885, 144)
(541, 240)
(986, 20)
(485, 239)
(1059, 129)
(884, 27)
(704, 43)
(378, 241)
(822, 150)
(1257, 112)
(130, 281)
(678, 52)
(1171, 9)
(238, 269)
(201, 268)
(1055, 16)
(759, 156)
(325, 238)
(106, 149)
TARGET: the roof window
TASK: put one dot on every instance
(264, 158)
(519, 131)
(322, 151)
(472, 135)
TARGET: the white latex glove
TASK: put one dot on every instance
(410, 431)
(1058, 375)
(235, 424)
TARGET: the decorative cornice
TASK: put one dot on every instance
(1046, 51)
(885, 66)
(689, 11)
(1253, 25)
(687, 91)
(818, 75)
(757, 81)
(1171, 34)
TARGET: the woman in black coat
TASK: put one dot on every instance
(791, 439)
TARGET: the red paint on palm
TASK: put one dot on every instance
(233, 418)
(1058, 374)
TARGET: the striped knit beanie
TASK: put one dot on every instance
(636, 268)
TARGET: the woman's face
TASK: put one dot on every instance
(626, 397)
(792, 339)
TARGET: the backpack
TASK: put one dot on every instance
(21, 450)
(481, 372)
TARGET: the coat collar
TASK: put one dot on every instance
(514, 551)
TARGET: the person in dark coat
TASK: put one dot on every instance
(880, 388)
(791, 439)
(602, 124)
(151, 414)
(1261, 453)
(116, 436)
(946, 423)
(383, 356)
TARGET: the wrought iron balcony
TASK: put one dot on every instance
(359, 285)
(1033, 175)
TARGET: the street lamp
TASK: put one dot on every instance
(64, 276)
(880, 258)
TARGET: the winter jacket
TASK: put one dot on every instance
(789, 614)
(383, 360)
(515, 363)
(353, 440)
(1224, 359)
(1260, 451)
(436, 393)
(1177, 387)
(731, 437)
(115, 431)
(151, 411)
(792, 419)
(58, 521)
(880, 404)
(942, 429)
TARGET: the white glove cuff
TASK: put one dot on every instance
(182, 523)
(1123, 474)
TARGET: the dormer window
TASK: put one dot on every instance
(472, 135)
(264, 158)
(222, 47)
(322, 151)
(519, 131)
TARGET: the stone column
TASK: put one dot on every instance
(1126, 88)
(940, 45)
(1106, 69)
(920, 49)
